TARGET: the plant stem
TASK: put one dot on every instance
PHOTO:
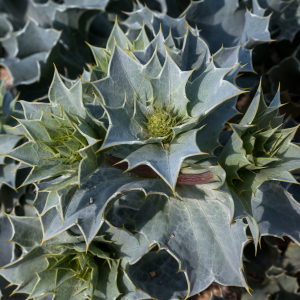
(146, 171)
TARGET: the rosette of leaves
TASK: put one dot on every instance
(171, 105)
(61, 268)
(264, 146)
(63, 138)
(156, 115)
(258, 150)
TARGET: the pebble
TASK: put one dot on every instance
(153, 274)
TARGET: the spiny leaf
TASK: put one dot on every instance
(124, 77)
(195, 54)
(29, 51)
(198, 211)
(61, 267)
(222, 29)
(156, 273)
(258, 150)
(276, 211)
(157, 45)
(62, 135)
(142, 40)
(209, 90)
(91, 201)
(166, 161)
(169, 87)
(118, 37)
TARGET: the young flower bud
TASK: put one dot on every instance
(161, 121)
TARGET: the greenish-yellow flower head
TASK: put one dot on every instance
(65, 139)
(161, 121)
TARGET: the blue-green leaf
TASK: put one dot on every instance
(204, 241)
(91, 200)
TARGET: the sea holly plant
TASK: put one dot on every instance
(62, 138)
(138, 108)
(258, 150)
(258, 146)
(149, 104)
(165, 120)
(61, 268)
(157, 114)
(158, 106)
